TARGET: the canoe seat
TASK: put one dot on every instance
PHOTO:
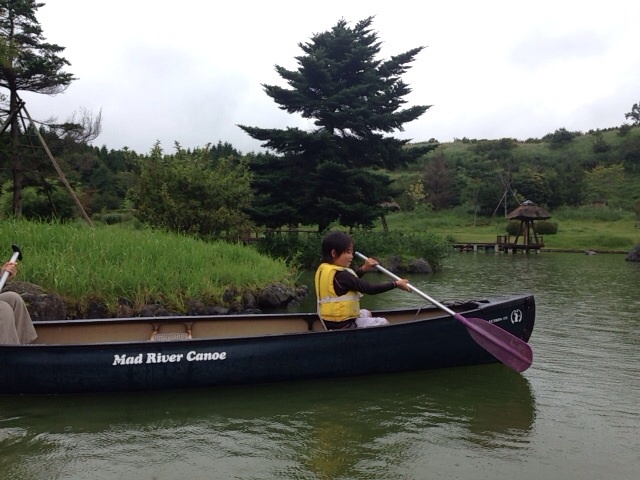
(168, 337)
(157, 336)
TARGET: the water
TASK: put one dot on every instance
(574, 414)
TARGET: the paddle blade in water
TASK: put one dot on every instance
(509, 349)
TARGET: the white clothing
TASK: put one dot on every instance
(365, 320)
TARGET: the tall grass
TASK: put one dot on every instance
(108, 263)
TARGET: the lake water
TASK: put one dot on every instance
(575, 414)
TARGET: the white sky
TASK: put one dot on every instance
(191, 71)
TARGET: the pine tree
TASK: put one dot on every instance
(329, 174)
(27, 63)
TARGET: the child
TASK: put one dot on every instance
(339, 288)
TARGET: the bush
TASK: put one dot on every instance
(624, 129)
(512, 227)
(58, 205)
(304, 249)
(111, 218)
(545, 227)
(542, 227)
(185, 193)
(293, 246)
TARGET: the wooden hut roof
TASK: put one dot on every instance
(529, 211)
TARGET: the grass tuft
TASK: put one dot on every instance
(107, 263)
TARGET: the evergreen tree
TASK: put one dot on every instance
(222, 150)
(353, 99)
(29, 63)
(634, 114)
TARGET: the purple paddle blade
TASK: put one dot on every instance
(509, 349)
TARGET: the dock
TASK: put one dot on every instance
(503, 244)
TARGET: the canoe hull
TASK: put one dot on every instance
(434, 342)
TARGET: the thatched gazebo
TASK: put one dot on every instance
(527, 213)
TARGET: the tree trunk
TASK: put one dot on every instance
(385, 227)
(16, 167)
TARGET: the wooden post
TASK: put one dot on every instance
(57, 167)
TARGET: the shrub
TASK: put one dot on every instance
(545, 227)
(624, 129)
(512, 227)
(185, 193)
(58, 204)
(292, 246)
(111, 218)
(304, 250)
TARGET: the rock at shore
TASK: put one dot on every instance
(634, 254)
(43, 305)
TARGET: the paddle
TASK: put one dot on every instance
(17, 255)
(509, 349)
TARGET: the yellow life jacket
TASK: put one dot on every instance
(331, 307)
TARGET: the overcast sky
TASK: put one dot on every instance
(191, 71)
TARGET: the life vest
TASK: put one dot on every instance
(331, 307)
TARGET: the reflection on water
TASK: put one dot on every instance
(573, 414)
(324, 428)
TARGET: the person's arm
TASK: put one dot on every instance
(369, 264)
(345, 281)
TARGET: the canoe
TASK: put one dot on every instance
(166, 353)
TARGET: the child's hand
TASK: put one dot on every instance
(369, 264)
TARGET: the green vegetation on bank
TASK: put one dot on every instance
(584, 228)
(303, 249)
(109, 263)
(112, 263)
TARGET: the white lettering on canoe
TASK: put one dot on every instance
(127, 359)
(153, 358)
(193, 356)
(160, 358)
(515, 317)
(499, 319)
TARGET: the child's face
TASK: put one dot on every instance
(344, 259)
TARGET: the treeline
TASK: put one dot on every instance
(600, 167)
(209, 191)
(203, 191)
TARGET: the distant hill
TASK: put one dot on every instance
(561, 168)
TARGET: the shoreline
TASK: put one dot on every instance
(590, 251)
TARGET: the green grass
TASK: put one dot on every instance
(578, 229)
(143, 266)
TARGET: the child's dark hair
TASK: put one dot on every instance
(338, 241)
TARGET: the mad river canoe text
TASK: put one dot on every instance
(149, 357)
